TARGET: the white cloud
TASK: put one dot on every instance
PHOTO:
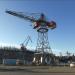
(9, 45)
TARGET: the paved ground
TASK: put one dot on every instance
(24, 73)
(36, 70)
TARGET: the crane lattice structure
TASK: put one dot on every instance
(42, 26)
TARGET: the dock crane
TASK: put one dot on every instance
(43, 50)
(25, 43)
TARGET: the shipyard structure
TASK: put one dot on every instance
(43, 54)
(23, 56)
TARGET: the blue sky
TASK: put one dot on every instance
(13, 30)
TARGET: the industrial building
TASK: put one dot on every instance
(15, 56)
(23, 56)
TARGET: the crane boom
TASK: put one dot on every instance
(25, 43)
(27, 40)
(20, 15)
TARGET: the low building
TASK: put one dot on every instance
(9, 55)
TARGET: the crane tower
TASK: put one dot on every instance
(42, 26)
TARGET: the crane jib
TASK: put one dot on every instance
(20, 15)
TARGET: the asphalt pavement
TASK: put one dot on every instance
(36, 70)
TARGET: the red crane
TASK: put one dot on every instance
(42, 26)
